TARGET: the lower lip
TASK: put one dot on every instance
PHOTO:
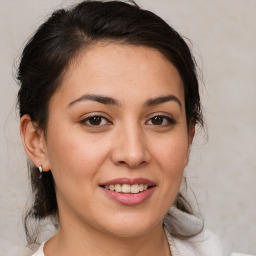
(130, 199)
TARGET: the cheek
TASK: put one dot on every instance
(75, 163)
(172, 155)
(74, 156)
(171, 159)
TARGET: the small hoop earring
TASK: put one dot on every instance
(40, 169)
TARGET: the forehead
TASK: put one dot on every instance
(121, 70)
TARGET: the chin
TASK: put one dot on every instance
(131, 226)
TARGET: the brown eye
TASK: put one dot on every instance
(95, 121)
(157, 120)
(160, 120)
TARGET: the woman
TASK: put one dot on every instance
(108, 103)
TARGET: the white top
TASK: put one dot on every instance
(183, 249)
(205, 243)
(173, 249)
(179, 248)
(40, 251)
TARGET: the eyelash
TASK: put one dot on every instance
(99, 118)
(169, 120)
(90, 118)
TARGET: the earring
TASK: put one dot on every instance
(40, 169)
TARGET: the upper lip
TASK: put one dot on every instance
(128, 181)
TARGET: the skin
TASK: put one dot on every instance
(126, 142)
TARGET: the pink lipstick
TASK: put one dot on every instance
(129, 191)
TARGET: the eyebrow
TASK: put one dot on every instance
(98, 98)
(162, 99)
(110, 101)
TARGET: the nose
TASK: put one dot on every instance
(130, 147)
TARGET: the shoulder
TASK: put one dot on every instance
(205, 243)
(40, 251)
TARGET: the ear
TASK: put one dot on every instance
(34, 143)
(191, 134)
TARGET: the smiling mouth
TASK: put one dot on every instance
(127, 189)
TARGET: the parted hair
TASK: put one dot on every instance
(59, 40)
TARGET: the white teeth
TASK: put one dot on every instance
(118, 188)
(126, 188)
(135, 188)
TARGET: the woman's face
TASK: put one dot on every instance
(117, 139)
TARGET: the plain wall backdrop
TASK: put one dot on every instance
(222, 168)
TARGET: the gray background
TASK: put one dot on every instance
(222, 169)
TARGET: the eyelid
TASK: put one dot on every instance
(164, 114)
(96, 113)
(102, 115)
(168, 116)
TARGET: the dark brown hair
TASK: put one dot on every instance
(59, 40)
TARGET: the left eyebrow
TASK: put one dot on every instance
(162, 99)
(98, 98)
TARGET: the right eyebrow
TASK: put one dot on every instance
(163, 99)
(98, 98)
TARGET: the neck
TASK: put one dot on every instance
(73, 239)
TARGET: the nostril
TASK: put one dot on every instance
(132, 164)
